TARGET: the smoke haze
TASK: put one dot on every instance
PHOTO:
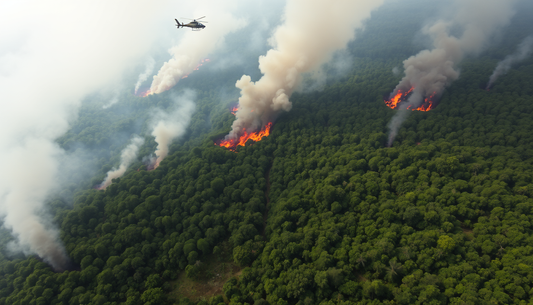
(169, 126)
(430, 71)
(523, 51)
(196, 45)
(127, 157)
(147, 72)
(52, 56)
(301, 44)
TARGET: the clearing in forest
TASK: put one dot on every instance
(214, 271)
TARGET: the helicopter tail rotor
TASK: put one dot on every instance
(178, 23)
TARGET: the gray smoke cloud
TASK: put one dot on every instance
(169, 126)
(301, 44)
(195, 46)
(149, 68)
(523, 51)
(51, 59)
(127, 157)
(430, 71)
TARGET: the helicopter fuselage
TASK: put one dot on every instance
(195, 25)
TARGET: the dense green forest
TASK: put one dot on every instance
(320, 211)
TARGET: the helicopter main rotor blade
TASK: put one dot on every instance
(200, 18)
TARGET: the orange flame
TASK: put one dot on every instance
(144, 93)
(428, 104)
(232, 144)
(400, 96)
(201, 63)
(234, 110)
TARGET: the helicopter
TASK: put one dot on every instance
(194, 24)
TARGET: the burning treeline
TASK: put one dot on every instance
(256, 136)
(301, 44)
(401, 96)
(429, 72)
(232, 144)
(42, 94)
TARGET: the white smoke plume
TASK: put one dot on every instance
(197, 45)
(50, 59)
(147, 72)
(128, 156)
(170, 126)
(111, 102)
(29, 169)
(523, 51)
(430, 71)
(301, 44)
(396, 71)
(115, 99)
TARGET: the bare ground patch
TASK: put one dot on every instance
(214, 271)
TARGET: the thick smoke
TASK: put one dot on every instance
(430, 71)
(128, 156)
(196, 45)
(29, 171)
(301, 44)
(169, 126)
(58, 53)
(147, 72)
(523, 51)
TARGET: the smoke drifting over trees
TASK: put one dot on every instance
(35, 113)
(303, 215)
(196, 45)
(29, 172)
(302, 43)
(128, 156)
(169, 126)
(48, 64)
(430, 71)
(523, 51)
(147, 72)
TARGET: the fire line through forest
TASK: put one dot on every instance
(428, 104)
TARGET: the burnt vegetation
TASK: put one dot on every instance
(443, 216)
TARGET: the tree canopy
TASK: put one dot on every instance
(320, 211)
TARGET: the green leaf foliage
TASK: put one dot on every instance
(320, 211)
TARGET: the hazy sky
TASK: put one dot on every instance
(52, 55)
